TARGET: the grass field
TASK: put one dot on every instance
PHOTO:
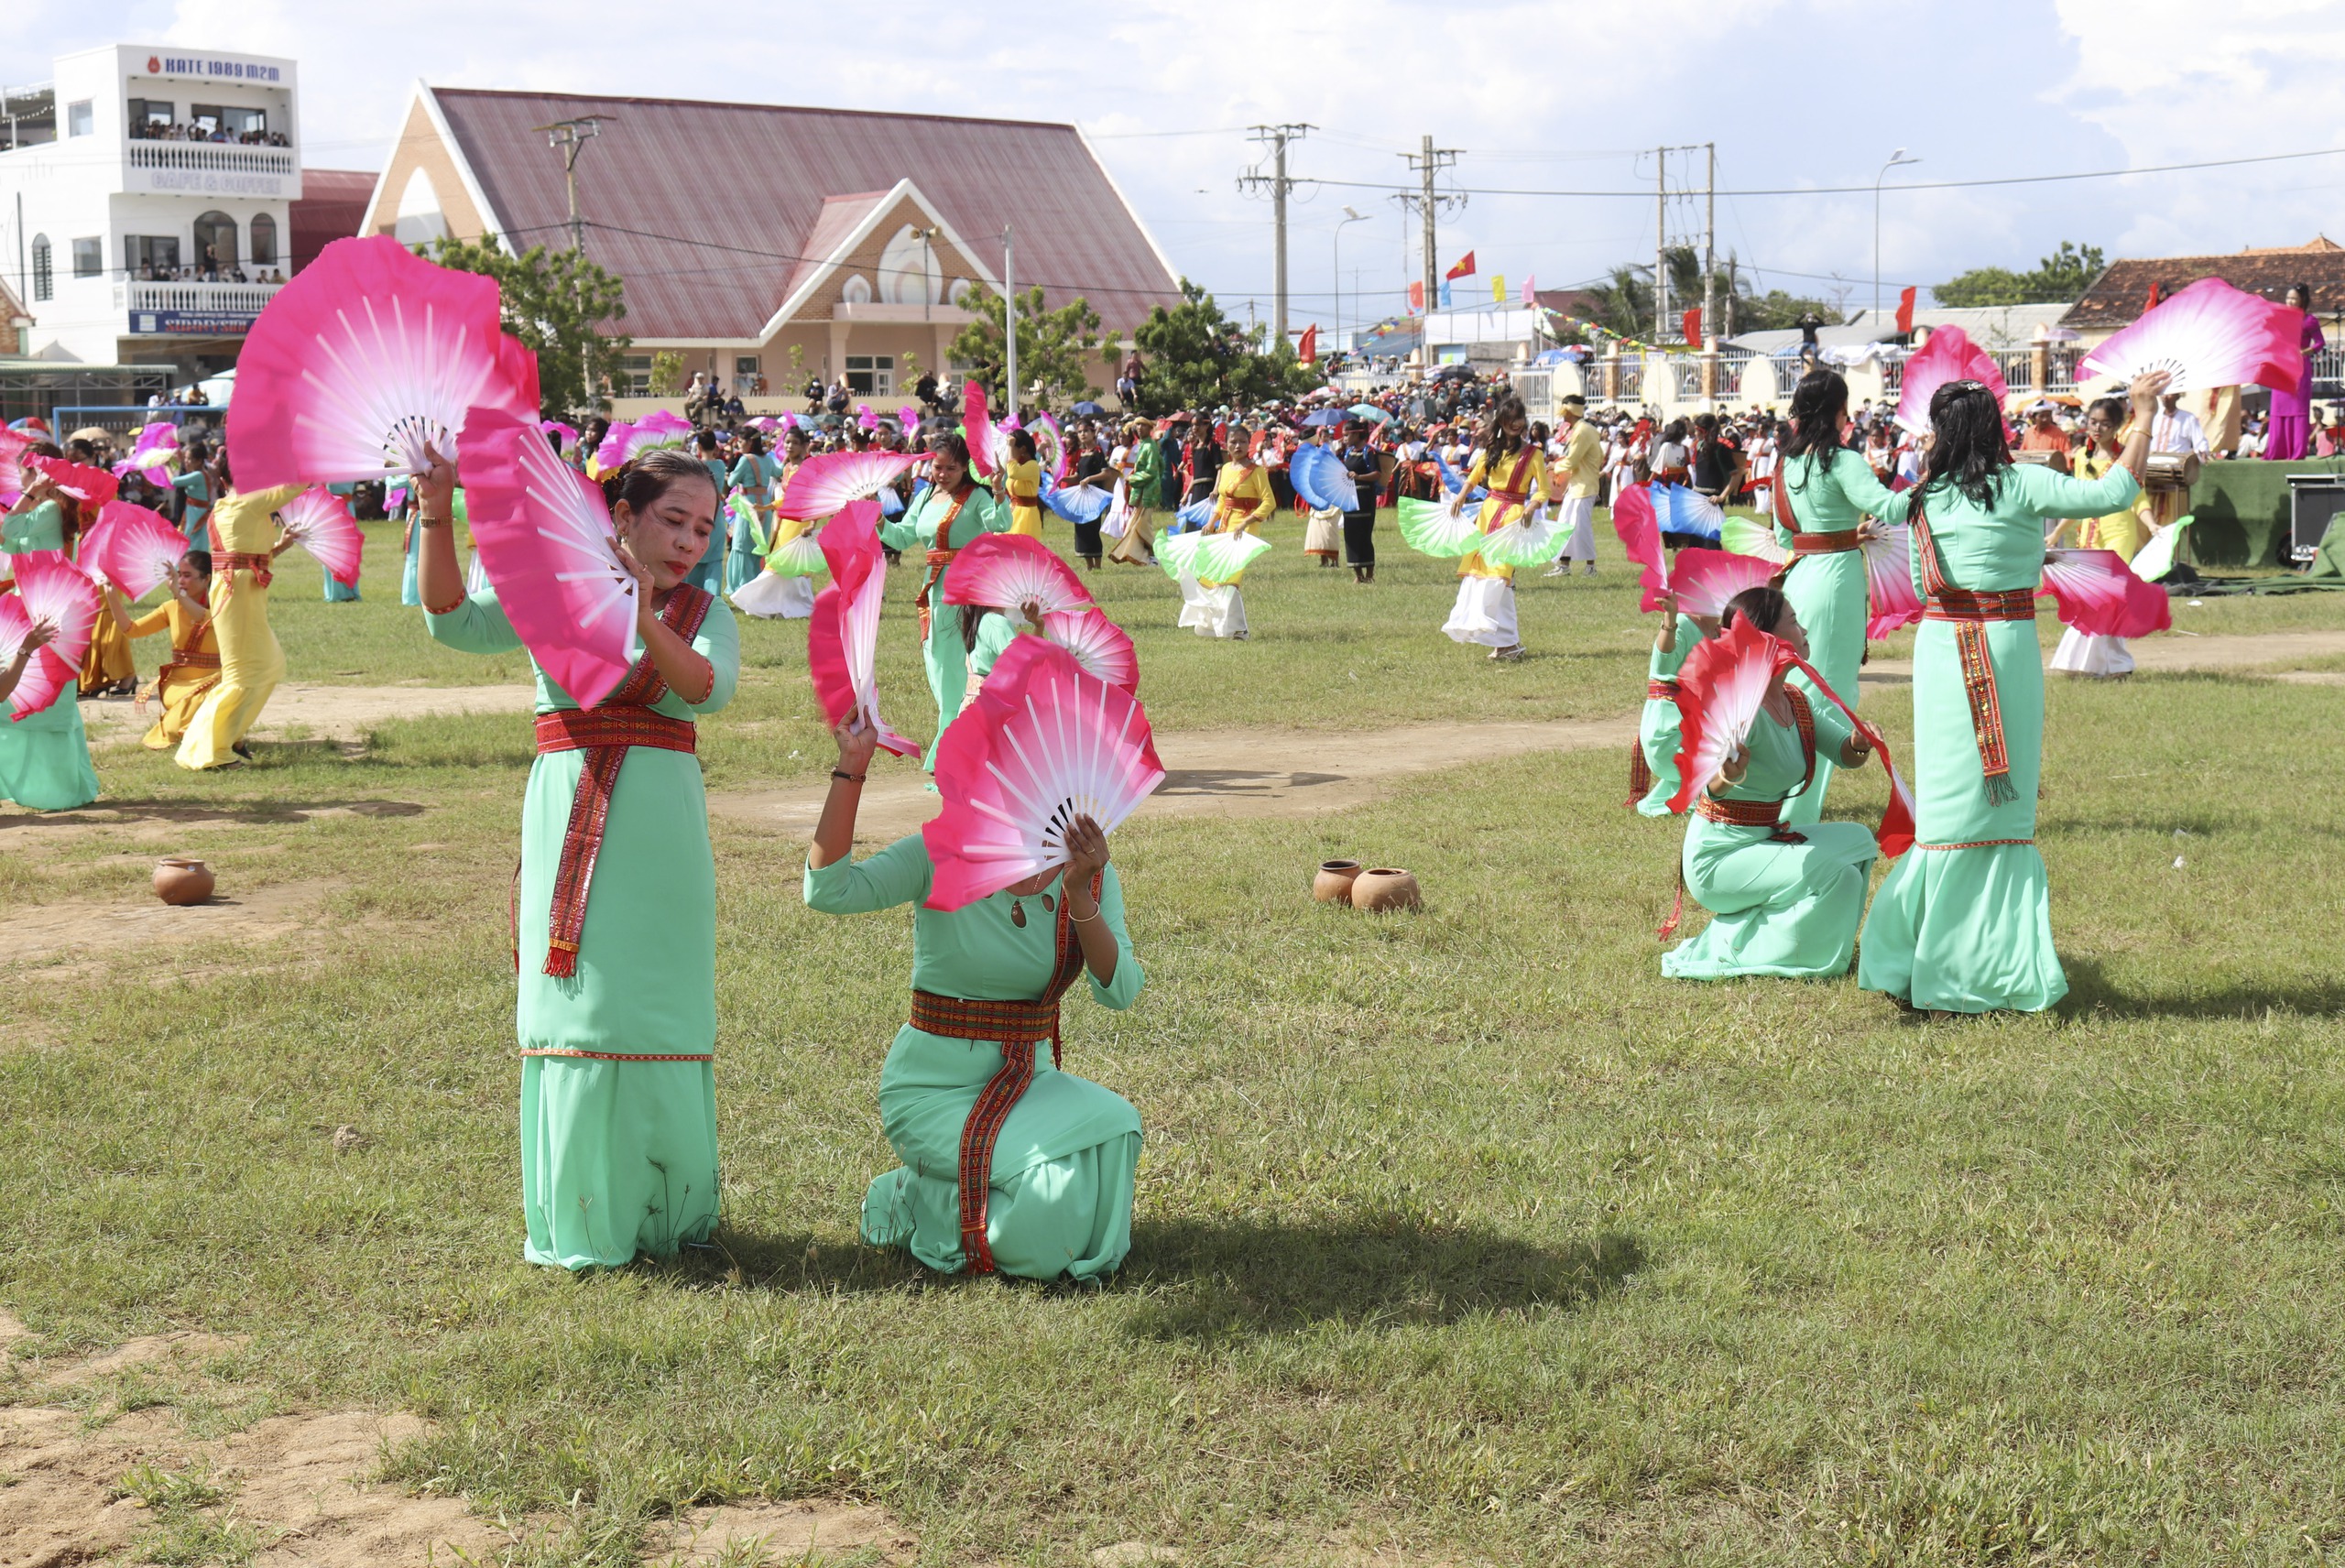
(1462, 1237)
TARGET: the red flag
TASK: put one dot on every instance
(1465, 267)
(2154, 300)
(1692, 324)
(1307, 349)
(1905, 310)
(1416, 297)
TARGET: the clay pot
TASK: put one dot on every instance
(1386, 888)
(1334, 883)
(179, 880)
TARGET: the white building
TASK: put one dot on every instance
(138, 184)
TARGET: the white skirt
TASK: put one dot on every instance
(776, 598)
(1324, 536)
(1484, 613)
(1212, 612)
(2098, 656)
(1577, 515)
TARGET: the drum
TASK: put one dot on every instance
(2172, 470)
(2041, 459)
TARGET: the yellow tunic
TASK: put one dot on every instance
(1241, 499)
(1583, 461)
(251, 662)
(1523, 480)
(1021, 484)
(2125, 532)
(193, 670)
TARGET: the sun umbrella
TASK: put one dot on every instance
(1369, 411)
(1087, 409)
(1326, 417)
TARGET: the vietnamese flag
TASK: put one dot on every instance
(1693, 326)
(1465, 267)
(1307, 349)
(1905, 310)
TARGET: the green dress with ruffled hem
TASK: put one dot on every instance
(1777, 909)
(618, 1156)
(1963, 923)
(1061, 1198)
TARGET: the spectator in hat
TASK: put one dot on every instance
(2044, 434)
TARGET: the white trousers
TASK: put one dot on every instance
(1212, 612)
(1575, 516)
(776, 598)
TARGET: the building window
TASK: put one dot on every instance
(871, 374)
(747, 379)
(151, 257)
(232, 120)
(90, 257)
(263, 240)
(215, 243)
(79, 122)
(150, 115)
(43, 284)
(635, 375)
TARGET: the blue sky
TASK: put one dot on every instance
(1539, 97)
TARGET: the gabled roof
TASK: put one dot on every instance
(709, 212)
(846, 222)
(2122, 290)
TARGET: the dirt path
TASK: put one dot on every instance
(2188, 650)
(328, 713)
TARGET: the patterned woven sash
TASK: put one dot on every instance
(940, 558)
(234, 561)
(1765, 814)
(1017, 1026)
(1970, 612)
(1641, 779)
(605, 732)
(1835, 543)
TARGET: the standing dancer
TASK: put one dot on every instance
(1582, 472)
(1090, 469)
(616, 899)
(2124, 531)
(986, 983)
(1323, 535)
(945, 517)
(709, 575)
(1782, 902)
(1022, 486)
(44, 756)
(1241, 499)
(193, 669)
(1825, 492)
(1515, 471)
(244, 547)
(2285, 434)
(754, 476)
(1964, 923)
(1143, 486)
(1371, 471)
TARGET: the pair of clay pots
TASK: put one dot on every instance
(1376, 888)
(181, 880)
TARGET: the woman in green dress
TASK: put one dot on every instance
(616, 935)
(1783, 902)
(44, 756)
(944, 519)
(1652, 770)
(756, 475)
(1010, 1164)
(1963, 923)
(1822, 497)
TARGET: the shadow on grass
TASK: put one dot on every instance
(1208, 1281)
(2090, 990)
(115, 812)
(1237, 781)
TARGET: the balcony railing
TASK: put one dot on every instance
(198, 298)
(213, 158)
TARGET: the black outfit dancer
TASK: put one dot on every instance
(1367, 469)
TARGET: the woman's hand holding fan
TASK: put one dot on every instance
(1720, 689)
(1007, 571)
(829, 481)
(45, 675)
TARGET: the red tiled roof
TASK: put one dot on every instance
(332, 205)
(706, 210)
(2121, 292)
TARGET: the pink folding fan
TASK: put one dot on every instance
(370, 354)
(45, 674)
(1888, 579)
(546, 540)
(988, 444)
(150, 453)
(1718, 690)
(2209, 334)
(57, 591)
(1098, 644)
(2098, 594)
(828, 482)
(1008, 571)
(135, 546)
(319, 521)
(1043, 743)
(1706, 578)
(1639, 530)
(13, 448)
(843, 638)
(93, 487)
(1949, 356)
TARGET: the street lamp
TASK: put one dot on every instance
(1896, 159)
(1350, 216)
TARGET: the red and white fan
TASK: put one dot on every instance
(1008, 571)
(1949, 356)
(842, 637)
(1718, 691)
(57, 591)
(1098, 644)
(13, 478)
(1706, 578)
(988, 442)
(2209, 334)
(828, 481)
(319, 521)
(93, 487)
(547, 542)
(45, 674)
(2094, 591)
(135, 546)
(1889, 597)
(1043, 743)
(1640, 529)
(367, 355)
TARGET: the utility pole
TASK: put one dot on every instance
(570, 138)
(1009, 322)
(1276, 137)
(1427, 162)
(1709, 245)
(1660, 243)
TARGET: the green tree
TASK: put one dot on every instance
(564, 307)
(2059, 279)
(1193, 356)
(1058, 350)
(1625, 301)
(667, 373)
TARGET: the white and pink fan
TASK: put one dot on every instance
(1008, 571)
(1949, 356)
(135, 546)
(93, 487)
(57, 591)
(843, 638)
(1098, 644)
(1706, 578)
(623, 442)
(1718, 691)
(1049, 446)
(367, 355)
(319, 521)
(150, 453)
(1890, 598)
(909, 417)
(1751, 537)
(828, 482)
(546, 540)
(1043, 743)
(988, 443)
(564, 437)
(2209, 334)
(1638, 529)
(45, 674)
(2094, 591)
(13, 478)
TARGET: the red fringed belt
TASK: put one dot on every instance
(243, 560)
(938, 560)
(1660, 690)
(194, 661)
(1018, 1026)
(1956, 605)
(1746, 814)
(604, 734)
(1834, 543)
(1970, 612)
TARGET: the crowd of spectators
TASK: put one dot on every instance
(176, 131)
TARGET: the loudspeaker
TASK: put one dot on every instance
(2312, 505)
